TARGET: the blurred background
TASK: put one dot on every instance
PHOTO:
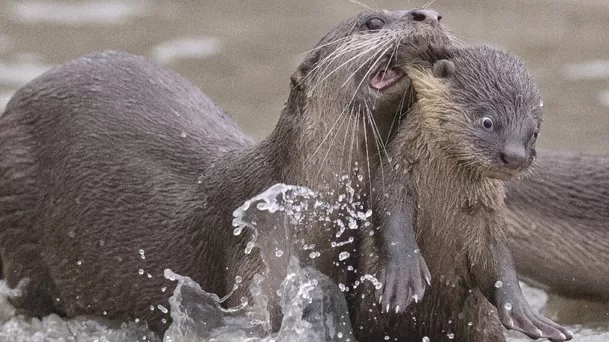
(241, 53)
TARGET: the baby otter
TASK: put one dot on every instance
(113, 169)
(474, 125)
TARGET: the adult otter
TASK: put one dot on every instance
(558, 223)
(474, 124)
(114, 169)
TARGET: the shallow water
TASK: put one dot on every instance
(241, 53)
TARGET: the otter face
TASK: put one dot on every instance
(489, 113)
(357, 71)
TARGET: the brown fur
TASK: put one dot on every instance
(109, 154)
(443, 156)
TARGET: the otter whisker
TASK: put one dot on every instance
(381, 54)
(355, 131)
(341, 115)
(321, 46)
(378, 46)
(325, 158)
(361, 4)
(393, 53)
(380, 145)
(367, 152)
(343, 152)
(338, 52)
(340, 66)
(429, 4)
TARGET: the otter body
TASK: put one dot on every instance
(558, 224)
(474, 124)
(114, 169)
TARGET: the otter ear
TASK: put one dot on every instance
(443, 68)
(304, 69)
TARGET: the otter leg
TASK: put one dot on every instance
(503, 291)
(22, 261)
(405, 272)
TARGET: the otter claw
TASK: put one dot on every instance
(404, 281)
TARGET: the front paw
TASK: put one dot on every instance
(522, 318)
(404, 280)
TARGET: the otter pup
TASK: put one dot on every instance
(474, 125)
(113, 169)
(558, 224)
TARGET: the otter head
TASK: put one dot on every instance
(486, 109)
(352, 87)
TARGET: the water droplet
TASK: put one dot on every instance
(105, 313)
(162, 320)
(162, 308)
(79, 262)
(71, 233)
(183, 134)
(343, 255)
(425, 339)
(151, 307)
(141, 251)
(508, 306)
(469, 324)
(148, 275)
(102, 243)
(238, 279)
(387, 338)
(140, 271)
(164, 288)
(450, 336)
(498, 283)
(278, 253)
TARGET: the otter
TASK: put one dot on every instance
(474, 125)
(114, 169)
(558, 224)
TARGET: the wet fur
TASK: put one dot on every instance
(458, 209)
(558, 223)
(109, 154)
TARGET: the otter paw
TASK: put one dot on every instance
(522, 318)
(404, 280)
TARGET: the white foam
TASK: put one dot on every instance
(591, 70)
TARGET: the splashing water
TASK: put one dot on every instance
(314, 308)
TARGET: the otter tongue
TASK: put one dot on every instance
(385, 78)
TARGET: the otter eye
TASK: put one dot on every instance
(535, 135)
(487, 122)
(375, 23)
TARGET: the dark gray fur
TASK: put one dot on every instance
(109, 154)
(558, 223)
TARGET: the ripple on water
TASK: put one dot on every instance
(19, 73)
(100, 12)
(186, 47)
(591, 70)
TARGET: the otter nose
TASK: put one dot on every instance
(428, 16)
(513, 156)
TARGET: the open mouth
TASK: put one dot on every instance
(385, 77)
